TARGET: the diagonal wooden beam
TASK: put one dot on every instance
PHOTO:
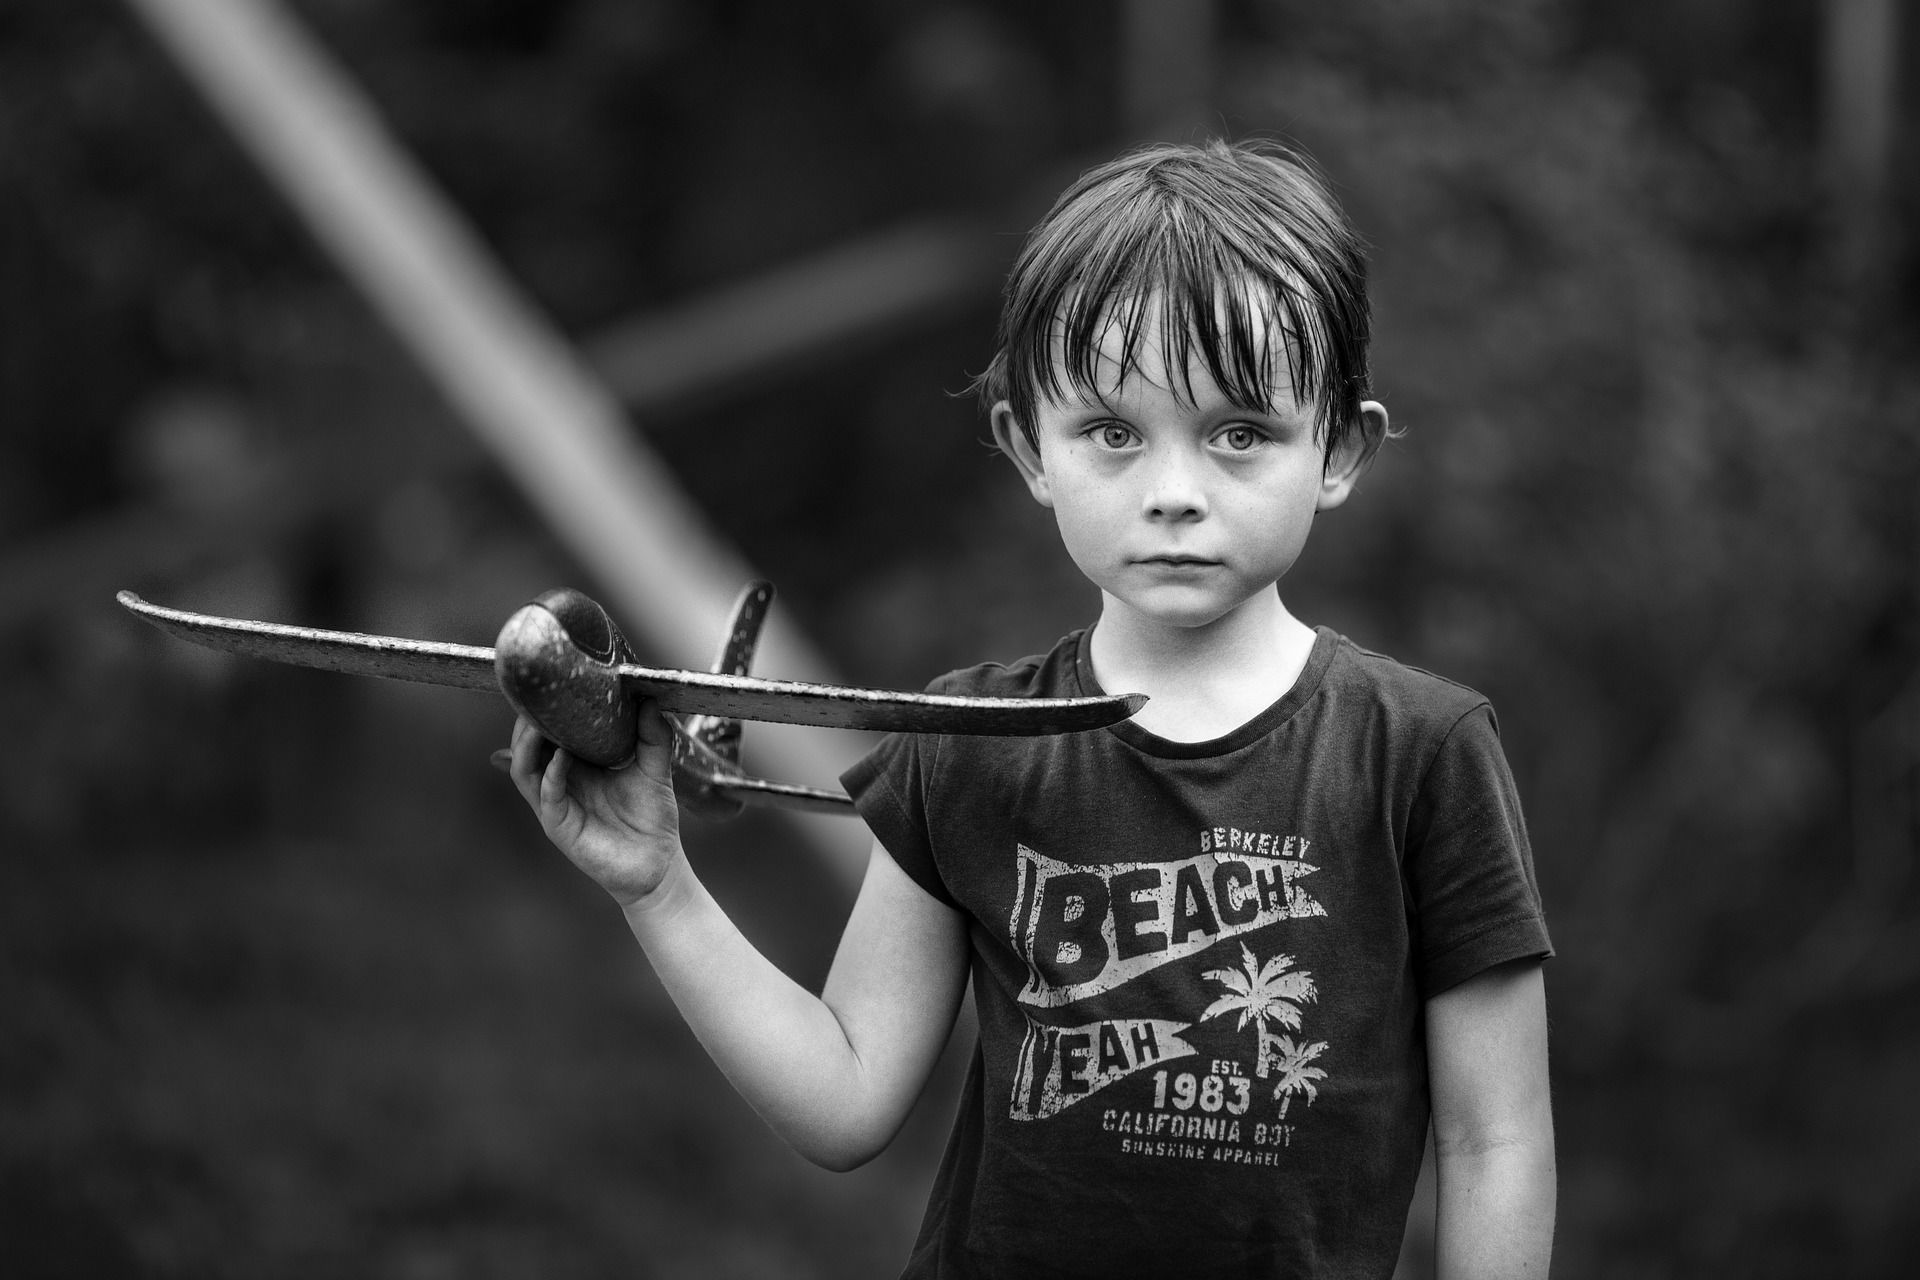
(739, 337)
(529, 398)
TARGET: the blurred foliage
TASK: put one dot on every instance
(289, 988)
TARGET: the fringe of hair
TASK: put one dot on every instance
(1223, 244)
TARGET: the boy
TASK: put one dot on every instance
(1226, 956)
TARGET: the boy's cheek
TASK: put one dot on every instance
(1081, 519)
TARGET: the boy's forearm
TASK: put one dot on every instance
(779, 1044)
(1495, 1212)
(1492, 1125)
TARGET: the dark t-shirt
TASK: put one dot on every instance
(1199, 968)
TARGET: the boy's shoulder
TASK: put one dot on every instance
(1037, 675)
(1353, 679)
(1362, 676)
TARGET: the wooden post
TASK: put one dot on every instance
(514, 380)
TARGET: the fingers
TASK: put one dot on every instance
(553, 780)
(544, 774)
(528, 758)
(539, 768)
(653, 751)
(654, 729)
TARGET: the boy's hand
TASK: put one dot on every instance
(620, 826)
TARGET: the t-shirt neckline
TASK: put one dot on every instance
(1325, 642)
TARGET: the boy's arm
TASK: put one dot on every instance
(1492, 1125)
(834, 1074)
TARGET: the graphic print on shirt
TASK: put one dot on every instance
(1087, 932)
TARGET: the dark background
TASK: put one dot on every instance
(291, 986)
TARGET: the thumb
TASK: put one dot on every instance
(653, 751)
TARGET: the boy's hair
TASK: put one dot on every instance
(1222, 238)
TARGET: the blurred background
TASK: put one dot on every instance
(387, 316)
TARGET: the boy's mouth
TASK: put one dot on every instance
(1178, 562)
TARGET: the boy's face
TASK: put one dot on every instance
(1178, 504)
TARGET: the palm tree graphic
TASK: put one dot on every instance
(1263, 993)
(1296, 1076)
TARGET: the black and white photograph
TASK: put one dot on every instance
(959, 639)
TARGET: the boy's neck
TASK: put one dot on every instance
(1203, 682)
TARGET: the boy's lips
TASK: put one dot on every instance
(1177, 561)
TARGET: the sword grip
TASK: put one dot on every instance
(558, 662)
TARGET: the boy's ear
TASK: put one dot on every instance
(1349, 462)
(1014, 443)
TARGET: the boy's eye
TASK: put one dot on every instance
(1240, 439)
(1113, 435)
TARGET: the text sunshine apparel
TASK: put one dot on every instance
(1199, 968)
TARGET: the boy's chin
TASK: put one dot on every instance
(1176, 608)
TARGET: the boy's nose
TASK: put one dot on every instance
(1174, 491)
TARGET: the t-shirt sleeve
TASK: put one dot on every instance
(889, 788)
(1469, 867)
